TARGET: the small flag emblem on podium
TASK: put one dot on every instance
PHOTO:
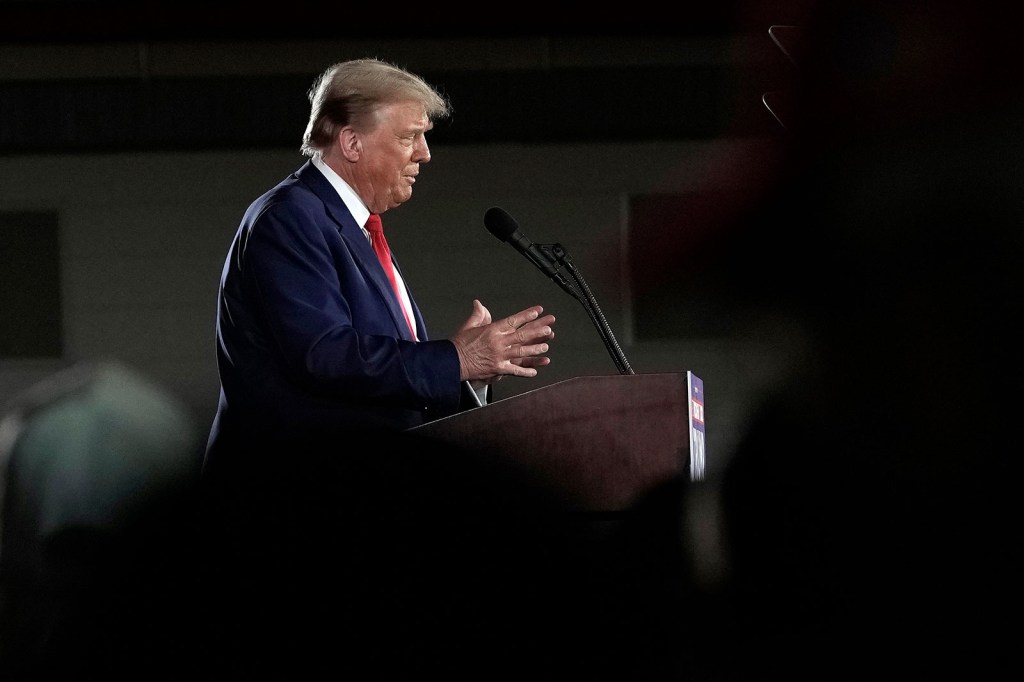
(696, 386)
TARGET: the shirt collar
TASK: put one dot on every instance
(348, 195)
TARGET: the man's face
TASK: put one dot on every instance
(392, 153)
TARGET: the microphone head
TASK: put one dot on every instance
(499, 223)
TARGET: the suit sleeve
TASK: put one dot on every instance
(326, 321)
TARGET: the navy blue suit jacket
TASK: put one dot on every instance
(310, 335)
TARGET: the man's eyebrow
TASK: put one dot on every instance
(417, 130)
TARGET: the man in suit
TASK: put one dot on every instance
(321, 350)
(311, 334)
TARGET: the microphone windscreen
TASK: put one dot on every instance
(499, 223)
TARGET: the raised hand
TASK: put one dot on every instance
(513, 345)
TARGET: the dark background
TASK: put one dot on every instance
(867, 518)
(495, 103)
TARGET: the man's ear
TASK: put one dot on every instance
(350, 144)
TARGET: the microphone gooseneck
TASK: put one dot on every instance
(551, 259)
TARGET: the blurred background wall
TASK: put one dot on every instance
(843, 269)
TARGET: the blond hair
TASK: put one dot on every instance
(349, 93)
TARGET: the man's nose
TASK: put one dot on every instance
(423, 153)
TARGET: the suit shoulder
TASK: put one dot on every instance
(289, 193)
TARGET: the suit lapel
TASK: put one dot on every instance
(360, 248)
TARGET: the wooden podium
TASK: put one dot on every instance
(599, 442)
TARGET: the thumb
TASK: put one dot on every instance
(478, 318)
(480, 315)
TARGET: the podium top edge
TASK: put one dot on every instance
(599, 378)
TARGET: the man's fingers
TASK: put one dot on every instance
(527, 335)
(517, 343)
(522, 317)
(532, 361)
(524, 351)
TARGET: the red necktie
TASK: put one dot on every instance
(380, 247)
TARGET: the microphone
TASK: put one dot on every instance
(505, 228)
(550, 258)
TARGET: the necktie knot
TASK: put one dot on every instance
(373, 224)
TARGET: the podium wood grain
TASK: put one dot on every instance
(599, 442)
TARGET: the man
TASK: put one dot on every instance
(311, 335)
(322, 355)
